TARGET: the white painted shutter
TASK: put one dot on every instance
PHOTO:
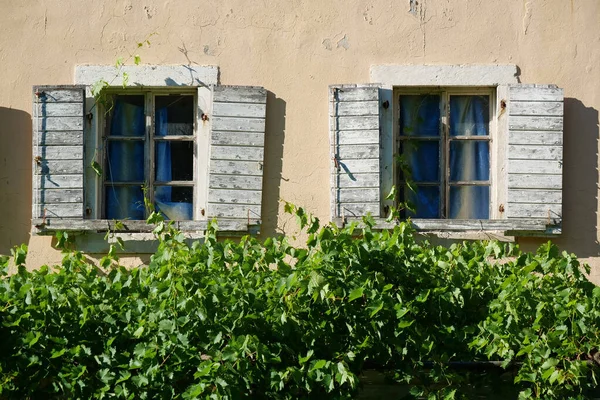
(58, 121)
(237, 152)
(535, 153)
(354, 142)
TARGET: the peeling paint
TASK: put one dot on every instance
(149, 12)
(527, 16)
(366, 15)
(327, 44)
(343, 42)
(413, 7)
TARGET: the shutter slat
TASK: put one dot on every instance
(535, 153)
(60, 138)
(58, 122)
(237, 152)
(355, 150)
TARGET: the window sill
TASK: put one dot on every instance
(507, 227)
(49, 226)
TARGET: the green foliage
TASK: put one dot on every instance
(222, 319)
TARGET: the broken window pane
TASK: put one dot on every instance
(175, 202)
(174, 161)
(174, 115)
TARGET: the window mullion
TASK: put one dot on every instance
(150, 125)
(445, 156)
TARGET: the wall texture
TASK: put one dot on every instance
(295, 49)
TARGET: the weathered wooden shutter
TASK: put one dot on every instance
(354, 141)
(535, 152)
(237, 152)
(58, 121)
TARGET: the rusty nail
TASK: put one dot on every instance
(204, 117)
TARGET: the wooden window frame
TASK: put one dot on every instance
(149, 140)
(445, 140)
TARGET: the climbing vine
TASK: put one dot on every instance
(223, 319)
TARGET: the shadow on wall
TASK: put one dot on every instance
(15, 178)
(580, 183)
(274, 138)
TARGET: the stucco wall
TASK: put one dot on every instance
(295, 49)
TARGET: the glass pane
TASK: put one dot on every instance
(125, 161)
(174, 115)
(174, 161)
(469, 115)
(469, 160)
(420, 115)
(426, 201)
(124, 202)
(469, 202)
(175, 202)
(127, 116)
(423, 159)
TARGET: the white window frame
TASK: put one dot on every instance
(149, 145)
(140, 79)
(394, 77)
(445, 93)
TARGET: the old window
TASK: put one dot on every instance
(149, 142)
(444, 140)
(485, 152)
(194, 147)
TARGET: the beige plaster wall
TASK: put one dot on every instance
(295, 49)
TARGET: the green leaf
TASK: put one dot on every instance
(405, 324)
(58, 353)
(450, 395)
(376, 308)
(318, 365)
(97, 168)
(137, 59)
(355, 294)
(422, 297)
(303, 360)
(138, 332)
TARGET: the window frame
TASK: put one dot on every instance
(150, 94)
(444, 170)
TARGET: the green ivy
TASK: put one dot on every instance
(227, 320)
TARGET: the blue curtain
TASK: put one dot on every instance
(469, 159)
(420, 117)
(124, 159)
(163, 195)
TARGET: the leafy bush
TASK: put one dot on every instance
(220, 319)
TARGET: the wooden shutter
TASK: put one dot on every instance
(58, 121)
(354, 141)
(237, 152)
(535, 152)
